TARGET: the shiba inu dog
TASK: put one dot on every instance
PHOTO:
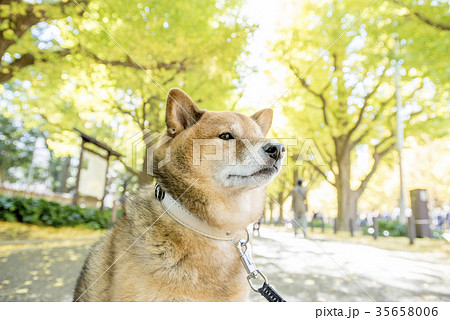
(176, 244)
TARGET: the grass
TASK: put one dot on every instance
(439, 247)
(21, 236)
(13, 231)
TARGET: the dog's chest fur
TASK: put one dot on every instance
(167, 263)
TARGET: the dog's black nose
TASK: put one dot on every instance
(274, 150)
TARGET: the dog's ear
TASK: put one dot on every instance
(264, 119)
(181, 112)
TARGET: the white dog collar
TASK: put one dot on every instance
(188, 220)
(177, 212)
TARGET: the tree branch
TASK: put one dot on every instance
(325, 88)
(25, 60)
(238, 98)
(7, 72)
(313, 106)
(386, 102)
(363, 109)
(436, 24)
(366, 132)
(128, 168)
(172, 65)
(21, 22)
(135, 117)
(377, 156)
(423, 18)
(330, 161)
(380, 111)
(322, 173)
(318, 95)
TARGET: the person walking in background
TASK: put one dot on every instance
(447, 216)
(300, 207)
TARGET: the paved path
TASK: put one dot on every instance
(304, 270)
(41, 274)
(299, 269)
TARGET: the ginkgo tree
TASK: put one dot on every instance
(341, 59)
(17, 18)
(120, 59)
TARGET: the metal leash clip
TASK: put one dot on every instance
(249, 265)
(252, 273)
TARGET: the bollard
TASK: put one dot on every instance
(411, 229)
(376, 230)
(335, 225)
(421, 217)
(351, 227)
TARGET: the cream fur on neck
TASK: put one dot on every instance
(231, 212)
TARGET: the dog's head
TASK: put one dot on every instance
(224, 150)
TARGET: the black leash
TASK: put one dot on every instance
(270, 294)
(253, 272)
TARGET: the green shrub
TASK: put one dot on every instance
(42, 212)
(318, 224)
(393, 227)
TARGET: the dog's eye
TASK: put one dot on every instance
(226, 136)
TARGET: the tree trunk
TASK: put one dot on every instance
(346, 197)
(280, 201)
(271, 206)
(347, 206)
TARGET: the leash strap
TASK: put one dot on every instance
(269, 293)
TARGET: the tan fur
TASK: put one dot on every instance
(169, 262)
